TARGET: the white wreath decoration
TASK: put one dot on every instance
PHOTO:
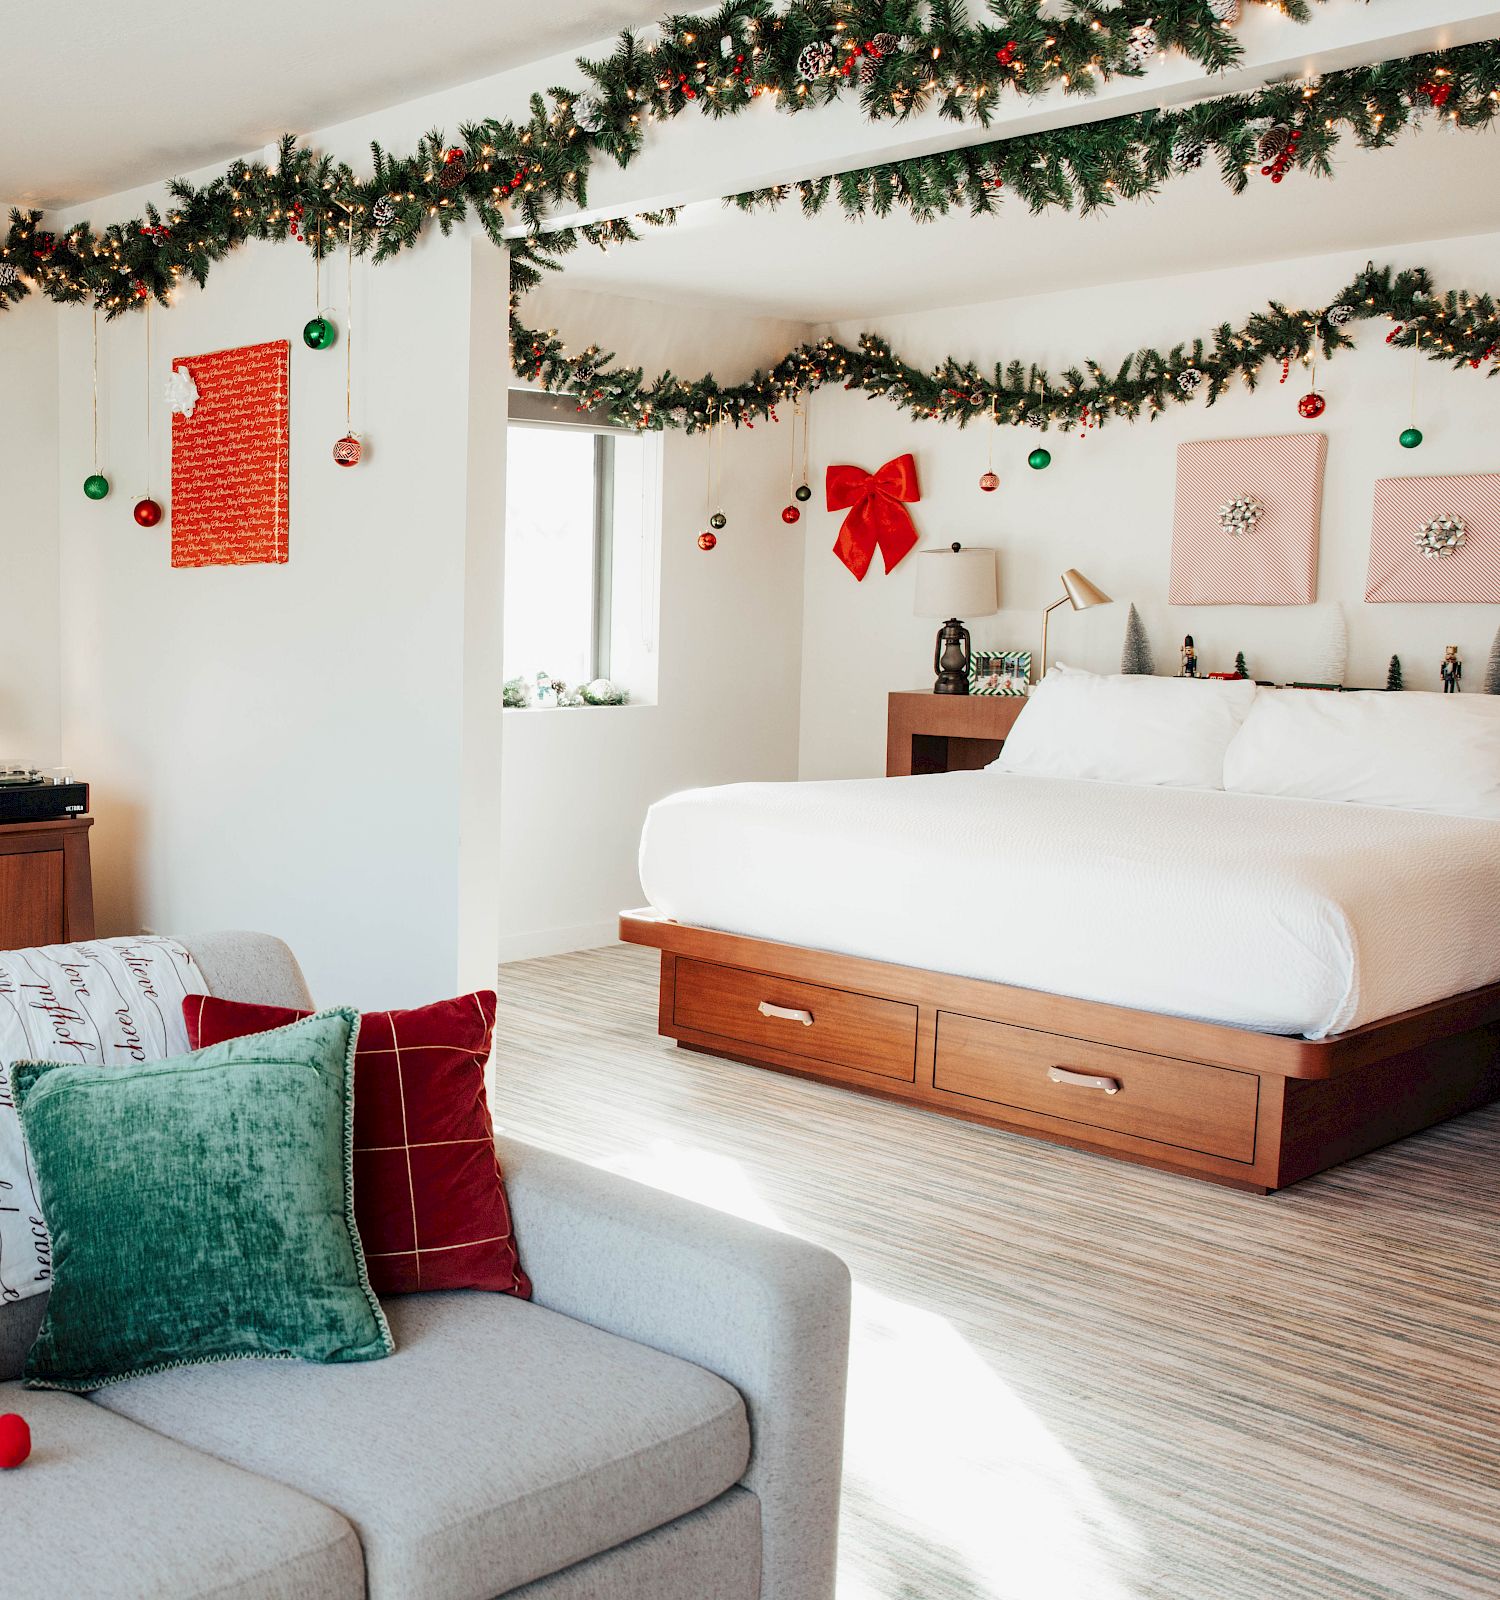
(1442, 535)
(1240, 514)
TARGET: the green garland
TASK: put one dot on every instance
(900, 56)
(1458, 328)
(1131, 157)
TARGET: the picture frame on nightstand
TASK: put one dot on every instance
(1004, 672)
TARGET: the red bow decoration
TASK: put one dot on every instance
(877, 517)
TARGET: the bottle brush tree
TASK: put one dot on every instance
(1393, 674)
(1135, 659)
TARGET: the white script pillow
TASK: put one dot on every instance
(1417, 752)
(1120, 729)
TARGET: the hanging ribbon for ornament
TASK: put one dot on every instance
(878, 518)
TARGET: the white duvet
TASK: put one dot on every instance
(1287, 916)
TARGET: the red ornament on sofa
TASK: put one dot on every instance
(429, 1197)
(15, 1440)
(878, 518)
(1312, 405)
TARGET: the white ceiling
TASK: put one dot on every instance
(117, 95)
(1433, 184)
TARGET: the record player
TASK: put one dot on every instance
(29, 794)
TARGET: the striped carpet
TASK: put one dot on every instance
(1074, 1379)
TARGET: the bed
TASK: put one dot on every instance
(1243, 987)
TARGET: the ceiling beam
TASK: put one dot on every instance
(699, 158)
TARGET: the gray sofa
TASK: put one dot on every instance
(663, 1422)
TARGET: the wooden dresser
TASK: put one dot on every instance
(46, 886)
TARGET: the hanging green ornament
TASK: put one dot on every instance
(319, 334)
(1410, 438)
(1039, 459)
(96, 486)
(718, 520)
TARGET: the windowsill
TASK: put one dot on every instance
(552, 711)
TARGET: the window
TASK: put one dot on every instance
(581, 520)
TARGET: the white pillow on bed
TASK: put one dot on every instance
(1417, 752)
(1171, 731)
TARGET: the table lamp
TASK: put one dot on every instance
(1079, 593)
(955, 583)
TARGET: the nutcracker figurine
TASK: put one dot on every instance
(1189, 659)
(1452, 670)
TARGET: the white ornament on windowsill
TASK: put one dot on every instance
(182, 392)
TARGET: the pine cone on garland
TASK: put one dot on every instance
(1142, 47)
(1188, 154)
(1340, 316)
(884, 44)
(1273, 143)
(383, 212)
(8, 274)
(455, 168)
(816, 59)
(1225, 11)
(869, 69)
(1189, 379)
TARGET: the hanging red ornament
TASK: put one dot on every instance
(348, 450)
(706, 541)
(147, 512)
(989, 481)
(790, 514)
(1312, 405)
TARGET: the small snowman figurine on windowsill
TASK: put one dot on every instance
(1452, 670)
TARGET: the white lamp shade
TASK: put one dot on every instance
(956, 583)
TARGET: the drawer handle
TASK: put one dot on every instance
(1083, 1080)
(766, 1009)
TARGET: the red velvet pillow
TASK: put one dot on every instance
(428, 1194)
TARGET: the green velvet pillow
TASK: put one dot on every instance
(201, 1208)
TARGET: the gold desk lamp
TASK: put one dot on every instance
(1079, 593)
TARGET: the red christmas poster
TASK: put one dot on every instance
(229, 457)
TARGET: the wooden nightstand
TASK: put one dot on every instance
(946, 732)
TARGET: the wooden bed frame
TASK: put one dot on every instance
(1253, 1110)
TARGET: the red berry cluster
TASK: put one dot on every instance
(1286, 368)
(519, 178)
(1394, 334)
(1007, 52)
(1277, 170)
(42, 245)
(1438, 90)
(688, 91)
(739, 69)
(160, 232)
(294, 221)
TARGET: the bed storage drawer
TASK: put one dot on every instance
(804, 1019)
(1181, 1103)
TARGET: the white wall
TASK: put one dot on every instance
(577, 781)
(29, 620)
(301, 748)
(1105, 504)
